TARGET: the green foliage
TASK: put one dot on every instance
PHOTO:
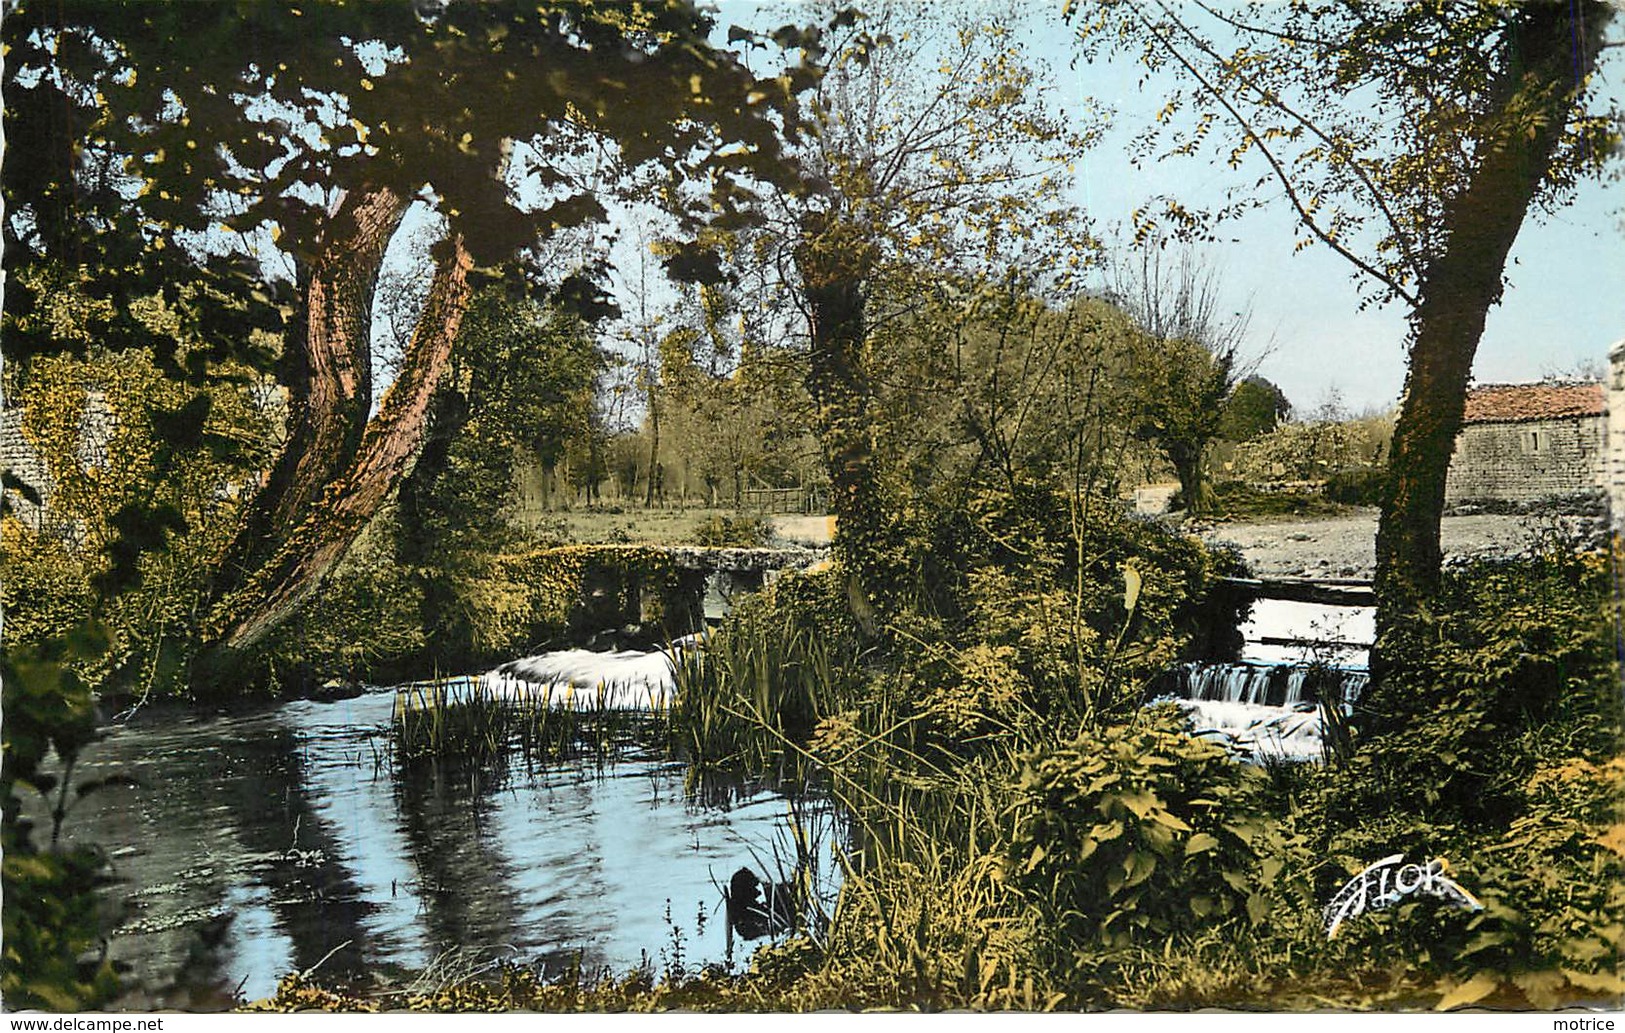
(521, 385)
(53, 954)
(364, 625)
(732, 409)
(1135, 834)
(1254, 408)
(1359, 487)
(1508, 647)
(47, 584)
(776, 672)
(1554, 886)
(1309, 451)
(146, 474)
(199, 120)
(1495, 744)
(54, 931)
(1180, 389)
(744, 532)
(1050, 577)
(576, 588)
(1237, 500)
(462, 724)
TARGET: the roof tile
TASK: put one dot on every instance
(1515, 403)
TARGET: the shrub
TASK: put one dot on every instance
(1510, 648)
(1360, 486)
(744, 532)
(1135, 834)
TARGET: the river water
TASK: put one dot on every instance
(1266, 705)
(266, 843)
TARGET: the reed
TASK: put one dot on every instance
(469, 721)
(759, 683)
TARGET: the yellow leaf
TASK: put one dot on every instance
(1614, 839)
(1170, 820)
(1475, 989)
(1131, 587)
(1200, 842)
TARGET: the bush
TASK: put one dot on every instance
(1510, 649)
(1236, 500)
(1135, 834)
(1494, 741)
(744, 532)
(1356, 487)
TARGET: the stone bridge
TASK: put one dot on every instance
(1329, 591)
(698, 584)
(725, 573)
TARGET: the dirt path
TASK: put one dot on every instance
(1345, 546)
(1342, 546)
(802, 530)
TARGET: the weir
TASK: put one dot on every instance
(1305, 645)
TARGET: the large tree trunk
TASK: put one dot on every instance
(329, 378)
(422, 538)
(326, 527)
(1552, 52)
(834, 266)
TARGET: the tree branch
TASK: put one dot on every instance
(1304, 215)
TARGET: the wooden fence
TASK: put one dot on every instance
(777, 500)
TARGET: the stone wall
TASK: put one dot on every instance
(1616, 435)
(1528, 462)
(18, 458)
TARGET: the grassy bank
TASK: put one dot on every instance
(1026, 837)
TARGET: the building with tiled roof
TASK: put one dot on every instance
(1519, 403)
(1531, 445)
(1616, 434)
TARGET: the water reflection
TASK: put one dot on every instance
(272, 842)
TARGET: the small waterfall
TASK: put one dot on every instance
(1267, 704)
(1275, 685)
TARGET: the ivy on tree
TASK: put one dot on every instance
(318, 125)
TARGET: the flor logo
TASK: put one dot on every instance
(1387, 882)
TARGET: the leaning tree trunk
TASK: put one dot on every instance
(833, 266)
(1534, 97)
(328, 525)
(329, 378)
(422, 540)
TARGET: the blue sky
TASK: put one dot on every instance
(1565, 303)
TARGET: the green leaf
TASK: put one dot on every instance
(1258, 909)
(1035, 858)
(1172, 821)
(1140, 865)
(1199, 843)
(1140, 803)
(1475, 989)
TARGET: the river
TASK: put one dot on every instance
(263, 843)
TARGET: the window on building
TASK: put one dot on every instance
(1535, 441)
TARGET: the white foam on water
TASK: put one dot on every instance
(585, 679)
(1257, 731)
(625, 679)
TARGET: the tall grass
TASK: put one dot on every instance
(759, 686)
(467, 721)
(923, 916)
